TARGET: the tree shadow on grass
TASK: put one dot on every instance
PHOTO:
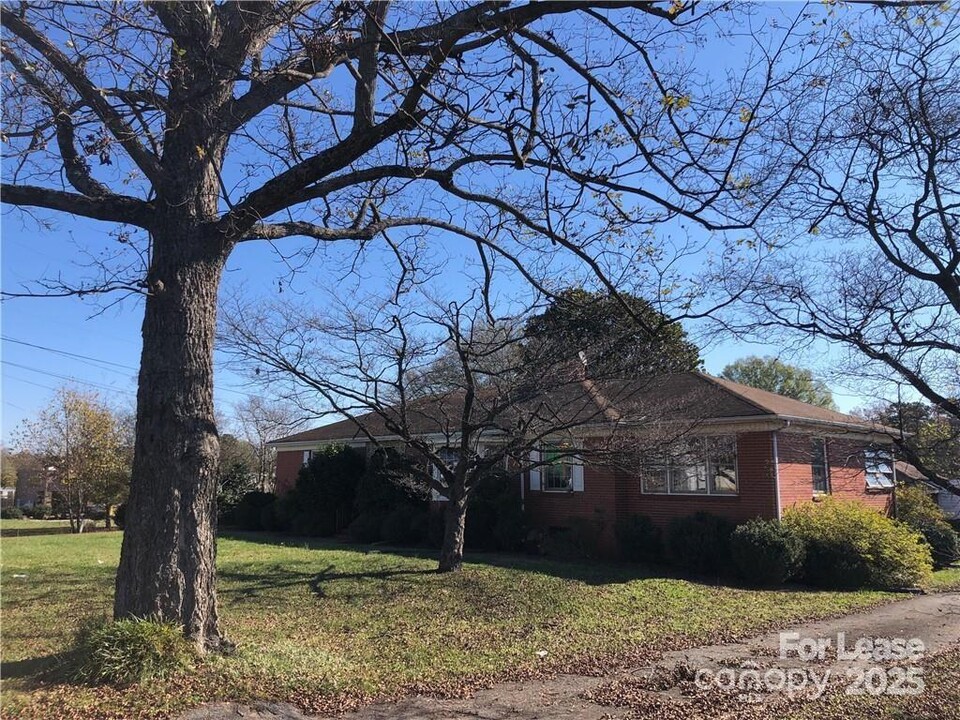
(251, 586)
(45, 667)
(590, 571)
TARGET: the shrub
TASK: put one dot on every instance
(766, 552)
(495, 520)
(918, 510)
(701, 542)
(11, 513)
(120, 515)
(326, 488)
(639, 540)
(365, 528)
(97, 514)
(395, 526)
(130, 651)
(388, 482)
(420, 526)
(943, 541)
(279, 515)
(246, 515)
(39, 512)
(851, 545)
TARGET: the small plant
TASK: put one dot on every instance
(920, 512)
(639, 540)
(851, 545)
(766, 552)
(701, 542)
(11, 513)
(130, 651)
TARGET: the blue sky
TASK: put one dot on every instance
(95, 345)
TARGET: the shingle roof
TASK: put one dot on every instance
(685, 396)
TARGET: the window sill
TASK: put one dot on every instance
(558, 491)
(690, 495)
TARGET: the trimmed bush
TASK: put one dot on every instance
(11, 513)
(325, 492)
(247, 513)
(39, 512)
(278, 516)
(918, 510)
(639, 540)
(365, 528)
(701, 542)
(766, 552)
(851, 545)
(495, 520)
(130, 651)
(395, 526)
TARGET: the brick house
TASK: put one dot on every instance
(748, 453)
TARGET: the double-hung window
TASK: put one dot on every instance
(878, 464)
(703, 466)
(557, 474)
(556, 470)
(820, 466)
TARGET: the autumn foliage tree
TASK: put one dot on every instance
(518, 130)
(81, 438)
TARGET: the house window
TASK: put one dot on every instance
(556, 469)
(307, 457)
(706, 466)
(557, 473)
(878, 465)
(819, 465)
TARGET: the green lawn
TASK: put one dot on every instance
(323, 625)
(27, 524)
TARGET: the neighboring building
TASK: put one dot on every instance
(748, 453)
(947, 501)
(35, 485)
(7, 495)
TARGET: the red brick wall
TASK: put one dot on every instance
(289, 463)
(609, 494)
(847, 477)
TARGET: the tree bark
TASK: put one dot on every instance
(455, 522)
(167, 563)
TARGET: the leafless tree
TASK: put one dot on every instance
(519, 129)
(879, 204)
(260, 421)
(464, 392)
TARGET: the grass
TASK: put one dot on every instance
(946, 579)
(29, 524)
(324, 625)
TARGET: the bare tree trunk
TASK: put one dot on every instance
(167, 563)
(455, 522)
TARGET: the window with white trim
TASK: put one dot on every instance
(558, 470)
(819, 465)
(704, 466)
(878, 465)
(307, 457)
